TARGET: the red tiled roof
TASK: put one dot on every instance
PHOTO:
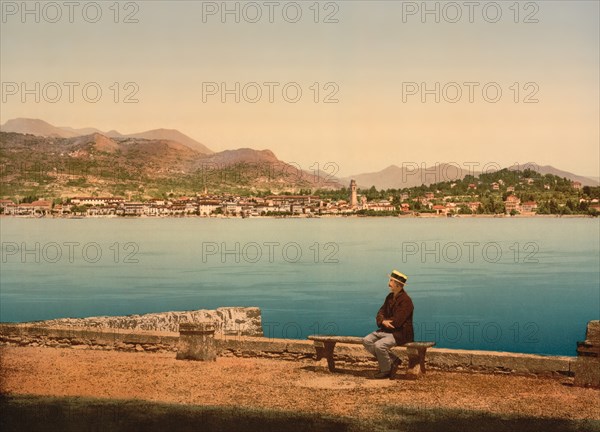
(41, 203)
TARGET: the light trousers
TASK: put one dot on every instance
(379, 343)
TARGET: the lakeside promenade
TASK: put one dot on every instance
(124, 373)
(441, 400)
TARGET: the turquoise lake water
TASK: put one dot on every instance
(522, 285)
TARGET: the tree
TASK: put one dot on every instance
(372, 194)
(543, 208)
(493, 206)
(80, 209)
(29, 199)
(464, 209)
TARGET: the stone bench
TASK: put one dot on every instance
(325, 345)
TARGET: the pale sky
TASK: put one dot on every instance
(370, 55)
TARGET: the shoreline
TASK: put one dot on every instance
(332, 216)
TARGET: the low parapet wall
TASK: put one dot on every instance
(87, 337)
(245, 321)
(37, 334)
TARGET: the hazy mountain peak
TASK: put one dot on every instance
(549, 169)
(36, 127)
(243, 155)
(394, 177)
(40, 127)
(81, 131)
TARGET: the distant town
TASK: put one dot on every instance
(480, 198)
(47, 171)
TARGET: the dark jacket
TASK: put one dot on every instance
(400, 311)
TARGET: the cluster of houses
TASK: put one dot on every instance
(40, 207)
(514, 204)
(203, 205)
(231, 205)
(236, 206)
(496, 186)
(511, 203)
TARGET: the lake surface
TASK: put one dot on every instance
(522, 285)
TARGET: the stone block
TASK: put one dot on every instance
(587, 366)
(590, 347)
(196, 342)
(587, 372)
(593, 332)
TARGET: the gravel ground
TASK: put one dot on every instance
(301, 387)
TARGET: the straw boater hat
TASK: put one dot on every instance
(399, 277)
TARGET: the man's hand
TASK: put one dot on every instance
(388, 324)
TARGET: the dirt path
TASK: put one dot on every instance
(283, 385)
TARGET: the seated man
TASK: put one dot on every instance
(394, 320)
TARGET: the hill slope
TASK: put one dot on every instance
(39, 127)
(97, 164)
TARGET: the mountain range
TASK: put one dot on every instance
(411, 175)
(41, 128)
(164, 151)
(39, 159)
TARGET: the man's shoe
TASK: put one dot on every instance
(395, 366)
(381, 375)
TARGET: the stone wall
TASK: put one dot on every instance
(87, 338)
(244, 321)
(285, 349)
(239, 333)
